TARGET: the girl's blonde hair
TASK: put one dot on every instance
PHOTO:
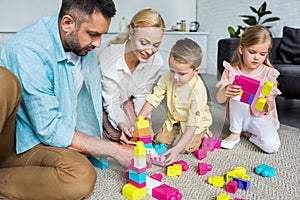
(187, 51)
(251, 36)
(144, 18)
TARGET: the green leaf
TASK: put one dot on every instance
(262, 8)
(247, 16)
(271, 19)
(253, 9)
(264, 13)
(250, 21)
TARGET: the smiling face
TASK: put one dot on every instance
(181, 72)
(144, 42)
(254, 56)
(83, 38)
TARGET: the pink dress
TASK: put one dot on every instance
(266, 74)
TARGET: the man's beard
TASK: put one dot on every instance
(73, 44)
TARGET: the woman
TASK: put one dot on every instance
(130, 66)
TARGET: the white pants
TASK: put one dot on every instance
(264, 133)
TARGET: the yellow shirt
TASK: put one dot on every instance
(187, 104)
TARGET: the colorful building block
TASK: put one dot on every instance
(133, 193)
(100, 162)
(265, 170)
(203, 168)
(223, 197)
(184, 164)
(238, 172)
(200, 153)
(159, 161)
(174, 170)
(232, 186)
(253, 91)
(217, 181)
(210, 144)
(165, 192)
(242, 184)
(160, 149)
(157, 177)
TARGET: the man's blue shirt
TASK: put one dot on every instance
(50, 110)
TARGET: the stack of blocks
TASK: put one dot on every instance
(136, 188)
(252, 90)
(140, 185)
(142, 132)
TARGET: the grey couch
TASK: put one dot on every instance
(289, 78)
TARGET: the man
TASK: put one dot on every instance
(61, 109)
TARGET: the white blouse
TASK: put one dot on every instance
(119, 84)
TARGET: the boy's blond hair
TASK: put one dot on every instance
(187, 51)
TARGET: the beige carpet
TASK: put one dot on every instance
(285, 185)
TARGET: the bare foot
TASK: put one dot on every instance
(233, 137)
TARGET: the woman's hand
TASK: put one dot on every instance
(232, 90)
(126, 133)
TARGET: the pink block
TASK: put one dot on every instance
(165, 192)
(159, 161)
(157, 177)
(145, 139)
(133, 168)
(232, 187)
(184, 164)
(249, 85)
(138, 185)
(210, 144)
(203, 168)
(200, 153)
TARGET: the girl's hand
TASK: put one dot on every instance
(232, 90)
(171, 155)
(269, 105)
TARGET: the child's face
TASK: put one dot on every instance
(254, 55)
(181, 72)
(145, 42)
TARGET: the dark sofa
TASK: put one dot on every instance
(289, 67)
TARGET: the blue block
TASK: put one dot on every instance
(250, 100)
(265, 170)
(101, 163)
(160, 149)
(243, 184)
(148, 146)
(136, 177)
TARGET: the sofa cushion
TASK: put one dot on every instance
(289, 49)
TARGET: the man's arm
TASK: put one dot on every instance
(97, 147)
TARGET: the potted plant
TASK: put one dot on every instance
(250, 20)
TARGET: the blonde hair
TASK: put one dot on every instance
(251, 36)
(187, 51)
(144, 18)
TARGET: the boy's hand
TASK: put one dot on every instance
(232, 90)
(171, 155)
(126, 135)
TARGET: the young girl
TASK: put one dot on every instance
(251, 59)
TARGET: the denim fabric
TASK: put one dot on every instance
(50, 110)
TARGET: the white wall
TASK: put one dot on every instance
(215, 16)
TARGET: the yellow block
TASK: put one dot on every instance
(141, 123)
(133, 193)
(267, 88)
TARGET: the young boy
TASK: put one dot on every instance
(188, 117)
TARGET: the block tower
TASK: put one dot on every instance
(136, 188)
(142, 132)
